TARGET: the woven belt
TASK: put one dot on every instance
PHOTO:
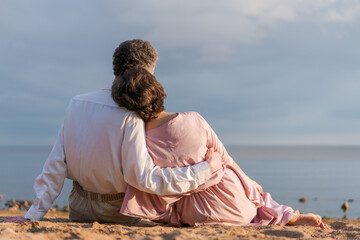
(97, 196)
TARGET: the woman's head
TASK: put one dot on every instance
(139, 91)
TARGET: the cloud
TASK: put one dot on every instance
(265, 71)
(347, 11)
(214, 29)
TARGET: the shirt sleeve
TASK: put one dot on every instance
(214, 142)
(49, 183)
(140, 171)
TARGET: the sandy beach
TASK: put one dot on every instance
(57, 226)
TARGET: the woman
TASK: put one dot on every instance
(180, 139)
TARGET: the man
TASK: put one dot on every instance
(102, 148)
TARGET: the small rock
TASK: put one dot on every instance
(35, 224)
(65, 209)
(14, 208)
(345, 206)
(52, 209)
(302, 200)
(95, 225)
(21, 204)
(10, 203)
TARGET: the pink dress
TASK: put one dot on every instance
(229, 197)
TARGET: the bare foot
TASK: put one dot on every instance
(309, 219)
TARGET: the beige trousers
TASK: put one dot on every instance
(85, 210)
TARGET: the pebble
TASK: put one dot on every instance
(35, 224)
(302, 200)
(52, 209)
(14, 208)
(19, 204)
(15, 205)
(95, 225)
(65, 209)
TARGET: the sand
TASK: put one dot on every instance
(57, 226)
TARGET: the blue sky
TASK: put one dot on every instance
(272, 72)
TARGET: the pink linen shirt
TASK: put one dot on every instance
(103, 147)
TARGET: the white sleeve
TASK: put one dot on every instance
(140, 172)
(49, 183)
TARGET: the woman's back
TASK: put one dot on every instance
(182, 141)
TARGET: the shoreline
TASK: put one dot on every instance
(56, 225)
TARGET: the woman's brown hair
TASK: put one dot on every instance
(139, 91)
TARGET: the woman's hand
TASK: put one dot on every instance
(258, 187)
(214, 160)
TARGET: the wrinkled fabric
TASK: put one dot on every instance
(229, 197)
(85, 210)
(102, 146)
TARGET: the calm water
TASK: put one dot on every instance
(326, 176)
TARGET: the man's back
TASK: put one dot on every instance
(102, 147)
(93, 135)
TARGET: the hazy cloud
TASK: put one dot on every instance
(261, 72)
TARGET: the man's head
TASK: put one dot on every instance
(134, 53)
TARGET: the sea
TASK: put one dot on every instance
(326, 176)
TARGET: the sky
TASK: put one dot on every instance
(261, 72)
